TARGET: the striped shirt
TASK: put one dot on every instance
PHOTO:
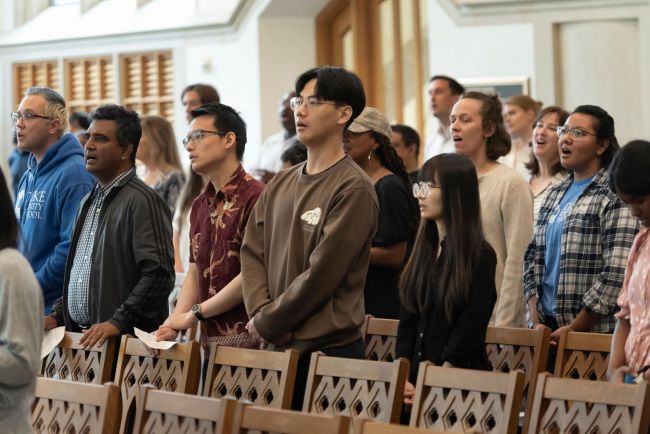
(81, 265)
(595, 243)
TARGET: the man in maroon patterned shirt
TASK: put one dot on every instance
(212, 290)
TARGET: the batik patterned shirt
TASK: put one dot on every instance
(217, 223)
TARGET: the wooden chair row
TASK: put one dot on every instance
(579, 355)
(447, 400)
(266, 378)
(63, 406)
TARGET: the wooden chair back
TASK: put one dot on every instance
(265, 378)
(369, 427)
(380, 338)
(175, 370)
(69, 361)
(583, 356)
(254, 419)
(511, 348)
(564, 405)
(61, 406)
(362, 389)
(168, 412)
(452, 399)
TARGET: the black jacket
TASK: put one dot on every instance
(132, 261)
(430, 336)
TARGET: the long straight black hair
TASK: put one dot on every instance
(8, 223)
(461, 209)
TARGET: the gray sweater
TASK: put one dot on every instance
(21, 332)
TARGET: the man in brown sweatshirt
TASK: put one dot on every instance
(307, 243)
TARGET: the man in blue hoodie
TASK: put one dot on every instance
(51, 190)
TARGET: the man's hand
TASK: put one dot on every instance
(49, 323)
(555, 336)
(285, 338)
(409, 393)
(98, 334)
(250, 328)
(180, 321)
(165, 333)
(540, 326)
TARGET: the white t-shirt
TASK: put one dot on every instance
(268, 157)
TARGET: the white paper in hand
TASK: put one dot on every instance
(51, 338)
(150, 340)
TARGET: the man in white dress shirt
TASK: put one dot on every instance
(444, 92)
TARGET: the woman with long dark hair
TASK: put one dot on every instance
(630, 355)
(367, 141)
(21, 324)
(575, 263)
(447, 286)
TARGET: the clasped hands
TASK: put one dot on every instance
(250, 328)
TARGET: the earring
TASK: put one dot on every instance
(369, 155)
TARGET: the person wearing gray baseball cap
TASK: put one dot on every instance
(367, 141)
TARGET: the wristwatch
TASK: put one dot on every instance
(196, 310)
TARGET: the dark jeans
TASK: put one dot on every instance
(350, 351)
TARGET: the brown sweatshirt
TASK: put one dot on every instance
(305, 256)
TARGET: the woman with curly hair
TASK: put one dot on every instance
(478, 132)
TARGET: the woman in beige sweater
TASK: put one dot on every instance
(506, 201)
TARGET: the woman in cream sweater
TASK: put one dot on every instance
(506, 201)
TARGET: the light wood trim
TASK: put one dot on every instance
(380, 326)
(266, 419)
(420, 107)
(369, 427)
(397, 65)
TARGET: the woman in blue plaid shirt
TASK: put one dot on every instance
(574, 266)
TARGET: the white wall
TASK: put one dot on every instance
(574, 52)
(589, 48)
(477, 51)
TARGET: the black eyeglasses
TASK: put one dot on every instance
(28, 116)
(198, 135)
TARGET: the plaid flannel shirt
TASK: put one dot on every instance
(596, 239)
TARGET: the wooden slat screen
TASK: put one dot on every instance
(37, 73)
(148, 83)
(89, 83)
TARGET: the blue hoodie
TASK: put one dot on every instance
(46, 205)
